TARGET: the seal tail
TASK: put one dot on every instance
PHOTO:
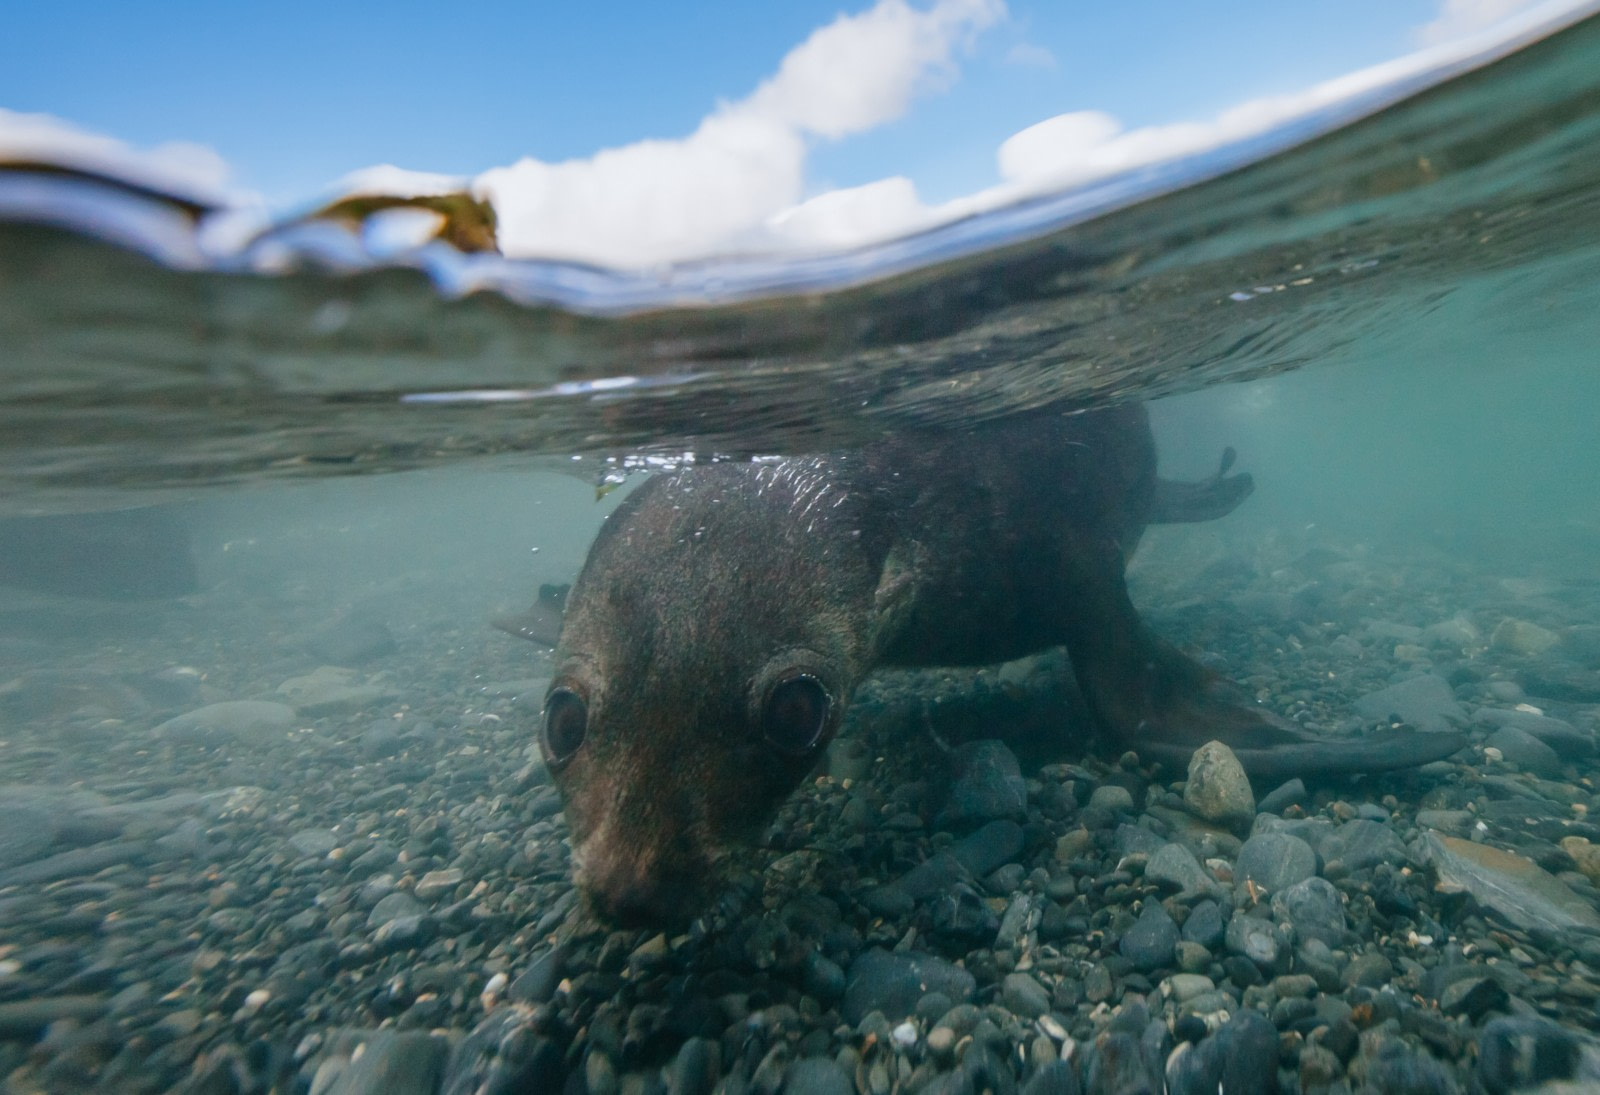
(1178, 502)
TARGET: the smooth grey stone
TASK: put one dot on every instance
(501, 1055)
(1023, 996)
(537, 983)
(1055, 1078)
(1359, 844)
(1112, 798)
(77, 862)
(696, 1068)
(1174, 865)
(973, 856)
(1397, 1068)
(1526, 751)
(314, 842)
(356, 637)
(396, 904)
(824, 979)
(1136, 840)
(1241, 1059)
(27, 832)
(817, 1076)
(1473, 997)
(1426, 702)
(404, 932)
(1260, 941)
(1518, 1053)
(893, 983)
(1566, 739)
(1217, 788)
(26, 1018)
(229, 720)
(395, 1063)
(1292, 793)
(1314, 909)
(1150, 943)
(1206, 924)
(1274, 861)
(987, 785)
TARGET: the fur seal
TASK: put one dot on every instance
(726, 613)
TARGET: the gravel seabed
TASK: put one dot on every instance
(354, 877)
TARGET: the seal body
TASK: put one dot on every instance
(726, 613)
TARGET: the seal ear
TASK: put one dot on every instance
(541, 623)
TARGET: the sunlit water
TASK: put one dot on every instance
(1405, 311)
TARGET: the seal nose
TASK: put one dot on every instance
(634, 894)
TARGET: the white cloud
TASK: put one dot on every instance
(179, 168)
(1457, 18)
(661, 200)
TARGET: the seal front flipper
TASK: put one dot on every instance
(1164, 705)
(541, 623)
(1177, 502)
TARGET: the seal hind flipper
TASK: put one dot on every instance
(1302, 754)
(1176, 502)
(541, 623)
(1164, 705)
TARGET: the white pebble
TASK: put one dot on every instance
(491, 991)
(904, 1035)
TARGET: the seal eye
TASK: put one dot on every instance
(566, 718)
(795, 713)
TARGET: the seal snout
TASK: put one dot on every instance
(640, 890)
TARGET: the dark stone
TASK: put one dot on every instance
(1055, 1078)
(401, 1063)
(1314, 909)
(1285, 795)
(1519, 1053)
(696, 1068)
(817, 1076)
(1206, 924)
(1274, 861)
(987, 785)
(893, 983)
(1149, 944)
(1526, 751)
(1240, 1059)
(1473, 997)
(537, 983)
(355, 638)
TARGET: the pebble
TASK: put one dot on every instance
(1150, 943)
(1217, 788)
(893, 983)
(1175, 866)
(229, 720)
(1274, 861)
(436, 884)
(988, 785)
(1314, 909)
(1527, 752)
(817, 1076)
(1426, 702)
(1024, 996)
(1521, 637)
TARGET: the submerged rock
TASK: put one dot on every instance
(229, 720)
(1426, 702)
(1217, 789)
(1518, 889)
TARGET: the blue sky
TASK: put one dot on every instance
(295, 95)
